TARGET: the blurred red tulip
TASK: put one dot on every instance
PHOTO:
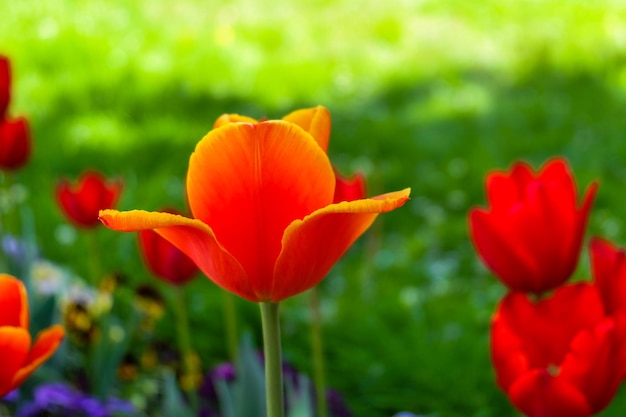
(557, 357)
(5, 86)
(608, 264)
(609, 273)
(14, 144)
(82, 202)
(349, 189)
(531, 235)
(164, 260)
(21, 357)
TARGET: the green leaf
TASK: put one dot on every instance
(173, 402)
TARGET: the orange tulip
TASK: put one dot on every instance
(316, 121)
(20, 358)
(265, 226)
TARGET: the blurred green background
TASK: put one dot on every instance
(426, 94)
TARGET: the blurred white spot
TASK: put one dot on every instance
(65, 234)
(48, 28)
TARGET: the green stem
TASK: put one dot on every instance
(94, 258)
(188, 367)
(10, 211)
(317, 346)
(230, 324)
(273, 360)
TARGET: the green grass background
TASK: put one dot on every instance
(426, 94)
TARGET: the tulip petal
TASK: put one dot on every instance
(14, 345)
(547, 327)
(45, 345)
(557, 171)
(191, 236)
(507, 352)
(349, 189)
(14, 302)
(14, 143)
(225, 119)
(505, 190)
(165, 260)
(312, 246)
(501, 252)
(248, 182)
(591, 363)
(5, 85)
(82, 201)
(540, 394)
(316, 121)
(608, 264)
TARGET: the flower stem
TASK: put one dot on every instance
(273, 360)
(230, 324)
(317, 347)
(188, 359)
(9, 209)
(95, 262)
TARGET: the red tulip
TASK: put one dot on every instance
(349, 189)
(265, 226)
(531, 235)
(14, 143)
(609, 273)
(81, 202)
(5, 86)
(558, 357)
(20, 357)
(165, 260)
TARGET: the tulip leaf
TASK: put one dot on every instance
(173, 403)
(249, 388)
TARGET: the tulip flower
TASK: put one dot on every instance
(557, 357)
(531, 235)
(14, 144)
(609, 273)
(608, 264)
(264, 223)
(265, 226)
(349, 189)
(165, 260)
(317, 122)
(82, 201)
(5, 86)
(20, 357)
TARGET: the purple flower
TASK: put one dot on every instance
(12, 396)
(14, 247)
(59, 399)
(58, 396)
(336, 404)
(223, 372)
(116, 406)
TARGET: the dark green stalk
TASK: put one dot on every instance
(317, 348)
(188, 366)
(230, 324)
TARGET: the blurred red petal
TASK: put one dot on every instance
(539, 394)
